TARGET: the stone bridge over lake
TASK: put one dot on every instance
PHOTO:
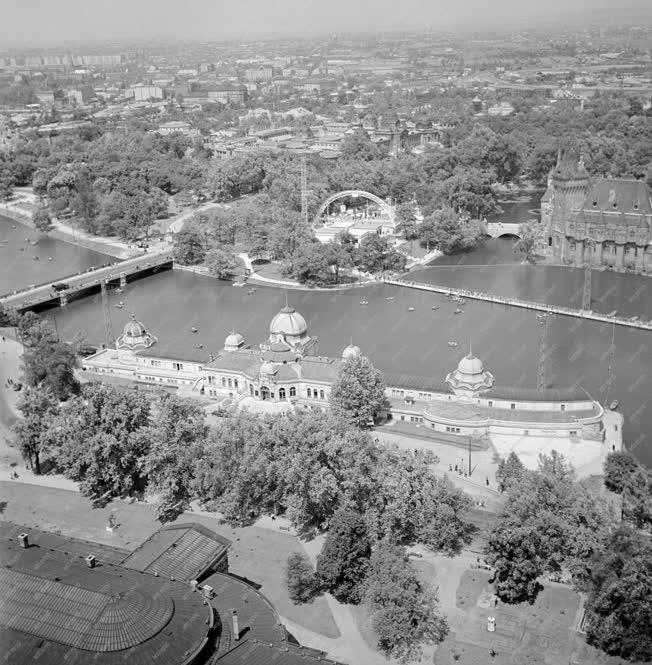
(60, 291)
(497, 229)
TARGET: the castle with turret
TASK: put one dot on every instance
(596, 221)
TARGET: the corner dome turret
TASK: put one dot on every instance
(470, 377)
(134, 335)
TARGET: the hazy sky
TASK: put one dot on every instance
(56, 21)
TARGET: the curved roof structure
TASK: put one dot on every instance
(56, 609)
(288, 322)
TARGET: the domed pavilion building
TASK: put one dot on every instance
(134, 336)
(286, 373)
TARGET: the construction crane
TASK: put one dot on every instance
(589, 244)
(109, 339)
(542, 321)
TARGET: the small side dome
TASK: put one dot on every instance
(470, 365)
(233, 342)
(268, 368)
(351, 351)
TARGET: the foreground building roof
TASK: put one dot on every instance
(55, 609)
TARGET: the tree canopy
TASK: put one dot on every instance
(550, 523)
(619, 603)
(359, 391)
(405, 613)
(343, 560)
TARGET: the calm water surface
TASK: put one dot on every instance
(397, 340)
(22, 263)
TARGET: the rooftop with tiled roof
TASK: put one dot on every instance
(619, 195)
(56, 609)
(183, 551)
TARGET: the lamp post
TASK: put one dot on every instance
(469, 455)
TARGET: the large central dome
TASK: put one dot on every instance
(288, 322)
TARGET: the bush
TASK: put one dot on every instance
(300, 578)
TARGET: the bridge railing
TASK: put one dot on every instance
(158, 258)
(526, 304)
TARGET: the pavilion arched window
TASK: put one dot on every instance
(309, 392)
(281, 393)
(293, 391)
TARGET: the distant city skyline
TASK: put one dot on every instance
(44, 23)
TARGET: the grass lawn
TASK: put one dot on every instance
(270, 270)
(363, 623)
(542, 633)
(257, 554)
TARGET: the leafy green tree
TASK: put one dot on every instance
(618, 469)
(619, 603)
(47, 362)
(407, 221)
(450, 232)
(42, 220)
(548, 523)
(342, 563)
(637, 498)
(405, 614)
(308, 263)
(177, 436)
(530, 233)
(468, 190)
(359, 391)
(300, 578)
(7, 317)
(106, 464)
(38, 406)
(509, 470)
(375, 255)
(189, 248)
(6, 183)
(359, 146)
(98, 440)
(335, 258)
(221, 263)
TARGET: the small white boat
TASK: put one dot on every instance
(435, 308)
(410, 309)
(458, 311)
(452, 343)
(614, 405)
(119, 306)
(193, 329)
(364, 302)
(390, 298)
(49, 258)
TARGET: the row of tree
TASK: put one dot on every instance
(551, 524)
(356, 569)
